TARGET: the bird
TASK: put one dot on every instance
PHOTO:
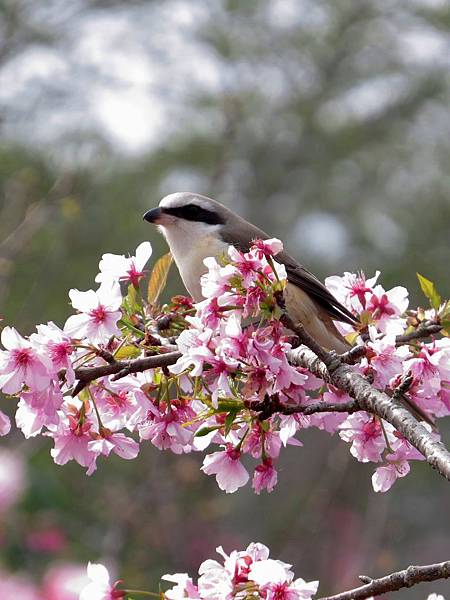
(196, 227)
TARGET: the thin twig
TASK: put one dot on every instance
(395, 581)
(318, 407)
(424, 330)
(353, 355)
(271, 405)
(85, 375)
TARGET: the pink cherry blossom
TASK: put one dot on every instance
(265, 477)
(193, 345)
(99, 313)
(384, 477)
(216, 281)
(183, 589)
(246, 264)
(100, 587)
(425, 368)
(294, 590)
(387, 308)
(352, 290)
(329, 421)
(387, 360)
(228, 369)
(366, 435)
(261, 442)
(59, 347)
(44, 404)
(72, 437)
(118, 443)
(268, 571)
(123, 403)
(164, 427)
(31, 421)
(267, 247)
(396, 462)
(21, 364)
(276, 581)
(115, 267)
(226, 466)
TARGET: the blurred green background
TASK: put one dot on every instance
(325, 122)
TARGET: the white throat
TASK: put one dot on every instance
(190, 244)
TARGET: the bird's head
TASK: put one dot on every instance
(188, 214)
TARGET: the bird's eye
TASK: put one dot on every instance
(192, 210)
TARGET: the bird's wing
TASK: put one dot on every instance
(304, 279)
(243, 234)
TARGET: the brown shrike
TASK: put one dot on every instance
(196, 227)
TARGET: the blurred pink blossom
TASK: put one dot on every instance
(64, 581)
(5, 424)
(17, 587)
(12, 479)
(49, 539)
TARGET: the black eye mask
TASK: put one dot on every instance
(193, 212)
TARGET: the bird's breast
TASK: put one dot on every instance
(189, 255)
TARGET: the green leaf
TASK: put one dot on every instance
(131, 302)
(430, 291)
(445, 327)
(127, 352)
(131, 298)
(230, 405)
(158, 278)
(445, 312)
(205, 430)
(352, 337)
(130, 326)
(229, 420)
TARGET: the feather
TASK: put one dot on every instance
(241, 233)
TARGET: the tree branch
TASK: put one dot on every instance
(368, 398)
(329, 366)
(271, 405)
(121, 368)
(374, 401)
(424, 330)
(318, 407)
(395, 581)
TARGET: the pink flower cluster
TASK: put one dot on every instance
(245, 574)
(241, 362)
(233, 363)
(387, 364)
(40, 370)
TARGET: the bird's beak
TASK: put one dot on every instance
(154, 215)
